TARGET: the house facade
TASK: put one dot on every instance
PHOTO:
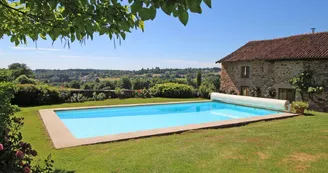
(268, 65)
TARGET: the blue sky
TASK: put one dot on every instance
(166, 43)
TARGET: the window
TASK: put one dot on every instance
(245, 72)
(287, 94)
(245, 90)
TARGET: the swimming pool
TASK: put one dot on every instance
(86, 123)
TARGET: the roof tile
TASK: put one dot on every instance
(306, 46)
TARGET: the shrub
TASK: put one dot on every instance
(16, 156)
(270, 92)
(119, 93)
(98, 97)
(232, 92)
(205, 89)
(172, 90)
(142, 93)
(78, 98)
(255, 92)
(64, 95)
(5, 75)
(300, 105)
(32, 95)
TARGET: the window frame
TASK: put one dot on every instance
(245, 71)
(242, 93)
(280, 90)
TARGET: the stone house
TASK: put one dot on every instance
(272, 63)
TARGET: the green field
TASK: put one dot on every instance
(109, 79)
(298, 144)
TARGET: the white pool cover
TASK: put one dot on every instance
(266, 103)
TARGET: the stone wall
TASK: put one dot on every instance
(264, 74)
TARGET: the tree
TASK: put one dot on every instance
(199, 78)
(80, 20)
(138, 84)
(306, 85)
(189, 80)
(74, 84)
(125, 82)
(87, 86)
(97, 80)
(206, 89)
(5, 75)
(214, 79)
(18, 69)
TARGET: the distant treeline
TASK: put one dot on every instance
(54, 76)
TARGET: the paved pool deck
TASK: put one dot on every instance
(62, 138)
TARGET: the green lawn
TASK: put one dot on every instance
(298, 144)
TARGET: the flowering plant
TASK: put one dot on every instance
(15, 155)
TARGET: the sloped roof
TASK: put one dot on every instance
(306, 46)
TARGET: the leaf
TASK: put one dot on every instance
(43, 36)
(136, 6)
(141, 24)
(195, 8)
(123, 35)
(208, 3)
(175, 13)
(16, 42)
(147, 14)
(152, 12)
(72, 38)
(183, 17)
(13, 38)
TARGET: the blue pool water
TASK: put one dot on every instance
(107, 121)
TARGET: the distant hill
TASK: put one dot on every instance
(78, 74)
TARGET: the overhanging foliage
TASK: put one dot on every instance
(70, 20)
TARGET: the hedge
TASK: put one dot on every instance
(173, 90)
(35, 95)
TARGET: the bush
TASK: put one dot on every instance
(142, 93)
(16, 156)
(33, 95)
(119, 93)
(172, 90)
(65, 95)
(299, 105)
(78, 98)
(255, 92)
(270, 92)
(5, 75)
(205, 89)
(99, 97)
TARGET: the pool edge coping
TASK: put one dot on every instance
(61, 136)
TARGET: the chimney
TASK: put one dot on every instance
(313, 30)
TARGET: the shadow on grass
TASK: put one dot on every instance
(308, 113)
(62, 171)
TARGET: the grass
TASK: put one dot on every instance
(296, 144)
